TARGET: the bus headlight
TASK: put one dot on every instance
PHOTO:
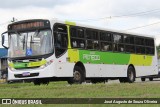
(11, 66)
(12, 69)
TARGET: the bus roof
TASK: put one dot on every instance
(101, 28)
(52, 21)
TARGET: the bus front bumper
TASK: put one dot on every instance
(23, 74)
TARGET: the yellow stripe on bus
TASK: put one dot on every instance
(73, 54)
(140, 60)
(69, 36)
(70, 23)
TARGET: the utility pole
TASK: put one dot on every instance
(13, 20)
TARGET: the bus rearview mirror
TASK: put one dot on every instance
(4, 40)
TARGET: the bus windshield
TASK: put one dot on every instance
(30, 43)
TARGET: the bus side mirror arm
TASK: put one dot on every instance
(3, 40)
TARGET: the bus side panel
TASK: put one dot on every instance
(155, 62)
(64, 69)
(147, 70)
(143, 70)
(145, 65)
(106, 70)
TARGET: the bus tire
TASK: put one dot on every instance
(78, 76)
(45, 81)
(37, 82)
(151, 79)
(131, 74)
(143, 79)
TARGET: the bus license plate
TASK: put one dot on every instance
(26, 73)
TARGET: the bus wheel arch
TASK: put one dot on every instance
(131, 73)
(81, 65)
(79, 74)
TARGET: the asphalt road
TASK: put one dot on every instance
(138, 80)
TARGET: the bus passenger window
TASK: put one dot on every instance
(77, 37)
(60, 39)
(106, 46)
(130, 48)
(139, 41)
(58, 42)
(89, 44)
(80, 33)
(82, 44)
(77, 43)
(117, 38)
(149, 50)
(74, 43)
(140, 50)
(115, 47)
(95, 45)
(104, 36)
(121, 48)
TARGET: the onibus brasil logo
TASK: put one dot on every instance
(21, 101)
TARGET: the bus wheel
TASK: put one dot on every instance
(37, 82)
(45, 81)
(151, 79)
(143, 79)
(78, 76)
(131, 74)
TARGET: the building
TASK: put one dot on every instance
(3, 63)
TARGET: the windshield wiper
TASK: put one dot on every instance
(23, 41)
(34, 35)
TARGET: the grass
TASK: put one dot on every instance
(63, 90)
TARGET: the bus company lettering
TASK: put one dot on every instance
(91, 57)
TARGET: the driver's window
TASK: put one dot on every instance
(60, 39)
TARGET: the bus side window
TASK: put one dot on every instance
(121, 48)
(77, 37)
(60, 39)
(92, 39)
(115, 47)
(106, 46)
(58, 42)
(117, 38)
(89, 44)
(82, 44)
(77, 43)
(130, 48)
(74, 43)
(95, 45)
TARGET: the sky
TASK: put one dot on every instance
(119, 15)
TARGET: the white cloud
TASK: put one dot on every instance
(87, 9)
(38, 3)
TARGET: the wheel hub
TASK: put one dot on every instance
(77, 75)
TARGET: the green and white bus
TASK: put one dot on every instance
(45, 50)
